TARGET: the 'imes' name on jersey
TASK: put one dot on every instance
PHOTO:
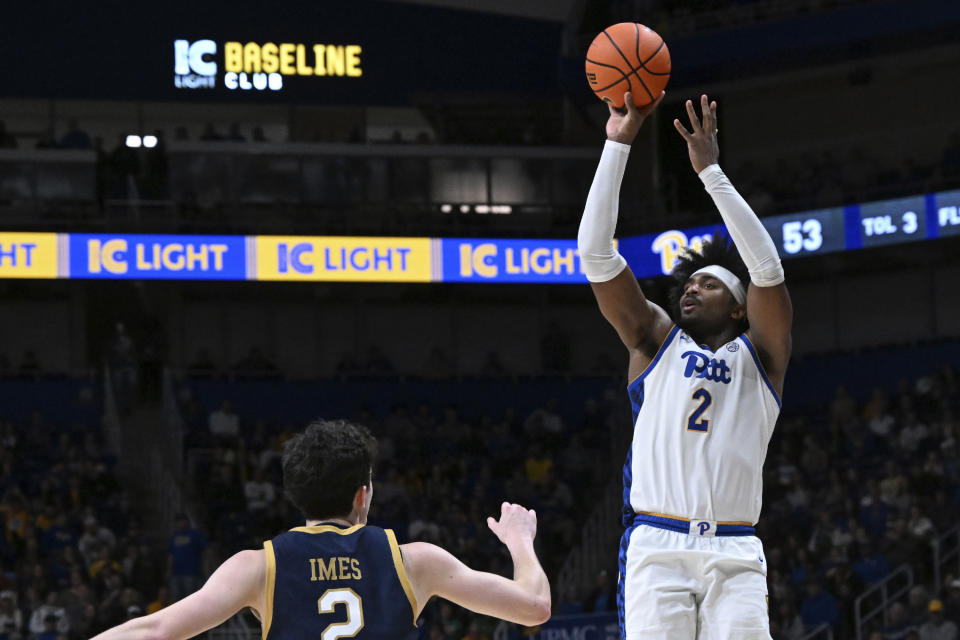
(700, 366)
(335, 568)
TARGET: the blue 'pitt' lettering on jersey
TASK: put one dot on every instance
(312, 561)
(700, 366)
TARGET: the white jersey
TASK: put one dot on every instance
(702, 422)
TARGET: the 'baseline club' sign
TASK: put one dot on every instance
(260, 67)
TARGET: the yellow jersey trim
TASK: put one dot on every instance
(401, 572)
(268, 587)
(661, 515)
(328, 528)
(655, 357)
(669, 517)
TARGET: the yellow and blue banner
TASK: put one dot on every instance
(157, 257)
(478, 260)
(344, 259)
(29, 255)
(516, 261)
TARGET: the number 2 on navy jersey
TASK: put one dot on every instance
(696, 421)
(328, 603)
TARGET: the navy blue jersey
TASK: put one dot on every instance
(329, 581)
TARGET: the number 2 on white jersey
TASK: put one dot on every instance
(696, 421)
(327, 604)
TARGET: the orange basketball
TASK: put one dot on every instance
(628, 57)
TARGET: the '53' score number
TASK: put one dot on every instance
(802, 235)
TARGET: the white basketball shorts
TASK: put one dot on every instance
(681, 586)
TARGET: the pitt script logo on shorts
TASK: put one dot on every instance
(705, 528)
(700, 366)
(192, 64)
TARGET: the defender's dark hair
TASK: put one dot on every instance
(720, 251)
(325, 465)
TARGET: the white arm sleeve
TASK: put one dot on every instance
(751, 239)
(600, 259)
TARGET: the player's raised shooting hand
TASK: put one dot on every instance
(516, 524)
(624, 124)
(702, 141)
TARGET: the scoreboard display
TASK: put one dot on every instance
(808, 233)
(872, 224)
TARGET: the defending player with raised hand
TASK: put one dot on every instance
(336, 577)
(705, 389)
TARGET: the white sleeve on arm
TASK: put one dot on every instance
(748, 234)
(601, 261)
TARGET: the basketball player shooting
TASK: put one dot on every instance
(705, 389)
(337, 577)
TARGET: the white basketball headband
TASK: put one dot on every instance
(726, 276)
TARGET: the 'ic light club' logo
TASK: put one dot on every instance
(190, 64)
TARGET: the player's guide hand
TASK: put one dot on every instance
(702, 142)
(624, 124)
(516, 524)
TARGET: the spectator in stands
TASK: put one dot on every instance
(75, 137)
(571, 603)
(11, 619)
(50, 609)
(186, 558)
(897, 624)
(261, 495)
(818, 607)
(255, 364)
(918, 602)
(161, 601)
(49, 631)
(234, 134)
(937, 626)
(95, 537)
(872, 567)
(602, 596)
(75, 599)
(920, 526)
(545, 422)
(224, 424)
(493, 366)
(377, 362)
(46, 140)
(449, 622)
(874, 511)
(7, 141)
(210, 134)
(788, 622)
(122, 170)
(539, 464)
(104, 560)
(474, 632)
